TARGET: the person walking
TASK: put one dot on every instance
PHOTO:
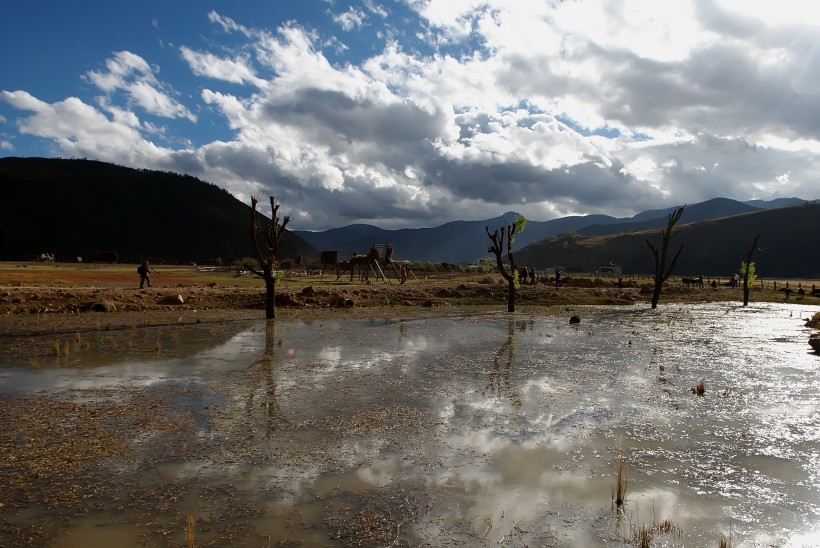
(144, 270)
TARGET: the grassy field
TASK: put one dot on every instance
(124, 275)
(118, 275)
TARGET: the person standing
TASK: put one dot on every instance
(144, 270)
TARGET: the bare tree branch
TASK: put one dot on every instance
(273, 233)
(661, 272)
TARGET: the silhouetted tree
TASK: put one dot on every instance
(661, 272)
(272, 234)
(748, 266)
(502, 241)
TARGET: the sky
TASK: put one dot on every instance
(414, 113)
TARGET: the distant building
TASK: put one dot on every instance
(611, 271)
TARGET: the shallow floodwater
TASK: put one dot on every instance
(479, 430)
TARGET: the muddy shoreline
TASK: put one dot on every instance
(32, 309)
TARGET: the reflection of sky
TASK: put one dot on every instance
(544, 430)
(136, 372)
(527, 418)
(603, 378)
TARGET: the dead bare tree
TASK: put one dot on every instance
(746, 270)
(502, 241)
(661, 272)
(266, 264)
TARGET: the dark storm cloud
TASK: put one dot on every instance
(336, 115)
(590, 183)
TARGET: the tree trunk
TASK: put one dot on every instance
(746, 270)
(270, 297)
(656, 294)
(497, 248)
(265, 267)
(661, 272)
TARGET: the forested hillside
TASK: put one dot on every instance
(788, 246)
(72, 208)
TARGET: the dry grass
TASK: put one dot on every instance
(724, 541)
(667, 527)
(619, 489)
(643, 534)
(190, 535)
(643, 537)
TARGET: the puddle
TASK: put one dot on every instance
(478, 430)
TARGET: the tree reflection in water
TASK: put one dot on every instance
(498, 377)
(263, 384)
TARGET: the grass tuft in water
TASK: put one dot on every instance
(190, 538)
(667, 527)
(643, 537)
(726, 542)
(619, 489)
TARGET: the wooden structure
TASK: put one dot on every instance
(328, 258)
(373, 262)
(363, 264)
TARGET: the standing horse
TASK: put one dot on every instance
(697, 282)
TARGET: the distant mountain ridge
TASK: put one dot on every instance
(788, 246)
(461, 241)
(711, 209)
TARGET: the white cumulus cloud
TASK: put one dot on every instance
(453, 109)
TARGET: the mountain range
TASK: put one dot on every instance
(466, 241)
(788, 246)
(73, 208)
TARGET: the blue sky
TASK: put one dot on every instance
(410, 113)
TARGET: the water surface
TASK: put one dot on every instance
(480, 430)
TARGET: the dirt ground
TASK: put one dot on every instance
(51, 298)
